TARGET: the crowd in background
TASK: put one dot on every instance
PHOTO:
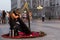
(3, 16)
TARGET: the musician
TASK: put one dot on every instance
(15, 17)
(12, 21)
(23, 27)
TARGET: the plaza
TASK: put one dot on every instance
(45, 15)
(50, 27)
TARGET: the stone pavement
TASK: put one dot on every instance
(51, 28)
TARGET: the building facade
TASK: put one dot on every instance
(51, 8)
(15, 4)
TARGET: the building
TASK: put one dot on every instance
(51, 8)
(15, 4)
(18, 3)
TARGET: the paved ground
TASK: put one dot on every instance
(51, 28)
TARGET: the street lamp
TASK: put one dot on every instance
(39, 7)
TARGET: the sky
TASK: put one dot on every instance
(5, 5)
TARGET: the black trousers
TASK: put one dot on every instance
(13, 26)
(23, 27)
(43, 19)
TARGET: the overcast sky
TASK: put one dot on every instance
(5, 5)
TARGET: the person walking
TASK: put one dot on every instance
(3, 17)
(0, 17)
(43, 18)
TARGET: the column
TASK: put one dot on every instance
(18, 3)
(31, 3)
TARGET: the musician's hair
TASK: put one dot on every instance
(11, 14)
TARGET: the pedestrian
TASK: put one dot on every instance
(0, 16)
(43, 18)
(49, 18)
(3, 17)
(7, 16)
(24, 15)
(30, 16)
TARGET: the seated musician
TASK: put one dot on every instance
(15, 16)
(12, 22)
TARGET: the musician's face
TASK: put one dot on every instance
(16, 13)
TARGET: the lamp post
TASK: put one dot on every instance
(39, 8)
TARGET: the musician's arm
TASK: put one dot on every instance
(15, 16)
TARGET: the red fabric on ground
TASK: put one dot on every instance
(22, 35)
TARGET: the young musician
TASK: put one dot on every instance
(15, 17)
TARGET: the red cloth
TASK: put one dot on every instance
(22, 35)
